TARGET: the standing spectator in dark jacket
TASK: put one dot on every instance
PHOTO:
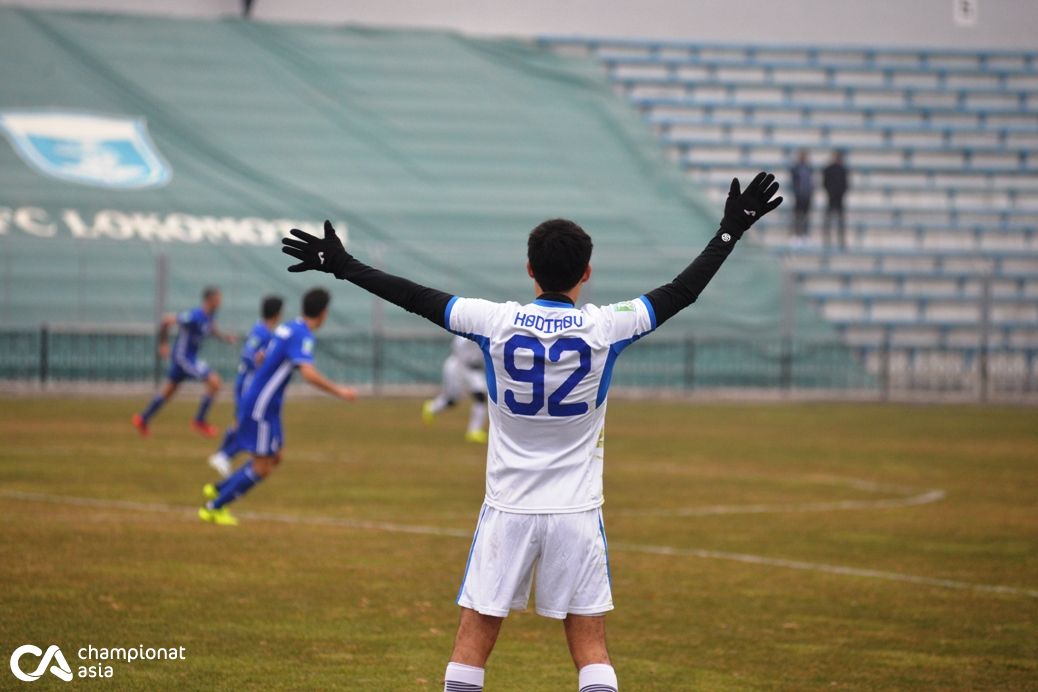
(836, 185)
(803, 186)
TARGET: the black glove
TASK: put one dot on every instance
(743, 209)
(324, 254)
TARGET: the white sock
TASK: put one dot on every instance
(597, 677)
(462, 678)
(477, 415)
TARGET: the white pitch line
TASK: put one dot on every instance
(831, 569)
(342, 522)
(837, 505)
(393, 527)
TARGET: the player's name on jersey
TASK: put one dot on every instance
(172, 227)
(548, 325)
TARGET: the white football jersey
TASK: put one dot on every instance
(548, 367)
(467, 352)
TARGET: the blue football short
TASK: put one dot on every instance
(261, 437)
(181, 369)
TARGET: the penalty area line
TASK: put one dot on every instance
(393, 527)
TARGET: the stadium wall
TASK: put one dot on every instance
(920, 23)
(137, 143)
(434, 153)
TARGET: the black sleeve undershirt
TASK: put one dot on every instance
(670, 298)
(421, 300)
(667, 300)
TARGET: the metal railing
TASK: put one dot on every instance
(52, 355)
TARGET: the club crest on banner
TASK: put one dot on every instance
(107, 151)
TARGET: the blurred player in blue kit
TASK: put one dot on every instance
(259, 412)
(548, 369)
(194, 326)
(251, 356)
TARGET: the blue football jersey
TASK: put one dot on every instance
(195, 325)
(291, 346)
(256, 342)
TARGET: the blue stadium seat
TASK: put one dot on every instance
(941, 145)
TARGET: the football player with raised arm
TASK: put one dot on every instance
(251, 356)
(259, 413)
(548, 368)
(193, 328)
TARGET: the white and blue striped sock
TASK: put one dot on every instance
(597, 677)
(463, 678)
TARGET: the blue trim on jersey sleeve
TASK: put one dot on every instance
(488, 364)
(447, 312)
(607, 372)
(652, 311)
(554, 304)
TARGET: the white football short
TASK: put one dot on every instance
(568, 553)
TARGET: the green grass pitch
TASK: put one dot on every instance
(753, 547)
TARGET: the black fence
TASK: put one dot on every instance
(60, 354)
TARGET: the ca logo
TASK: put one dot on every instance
(60, 667)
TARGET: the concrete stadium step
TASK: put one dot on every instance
(938, 335)
(894, 237)
(845, 306)
(907, 282)
(837, 113)
(839, 57)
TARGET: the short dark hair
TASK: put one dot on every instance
(271, 307)
(559, 252)
(209, 291)
(315, 301)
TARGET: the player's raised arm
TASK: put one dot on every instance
(328, 255)
(742, 209)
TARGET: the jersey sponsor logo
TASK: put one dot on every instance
(626, 306)
(60, 668)
(548, 325)
(726, 237)
(308, 346)
(107, 151)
